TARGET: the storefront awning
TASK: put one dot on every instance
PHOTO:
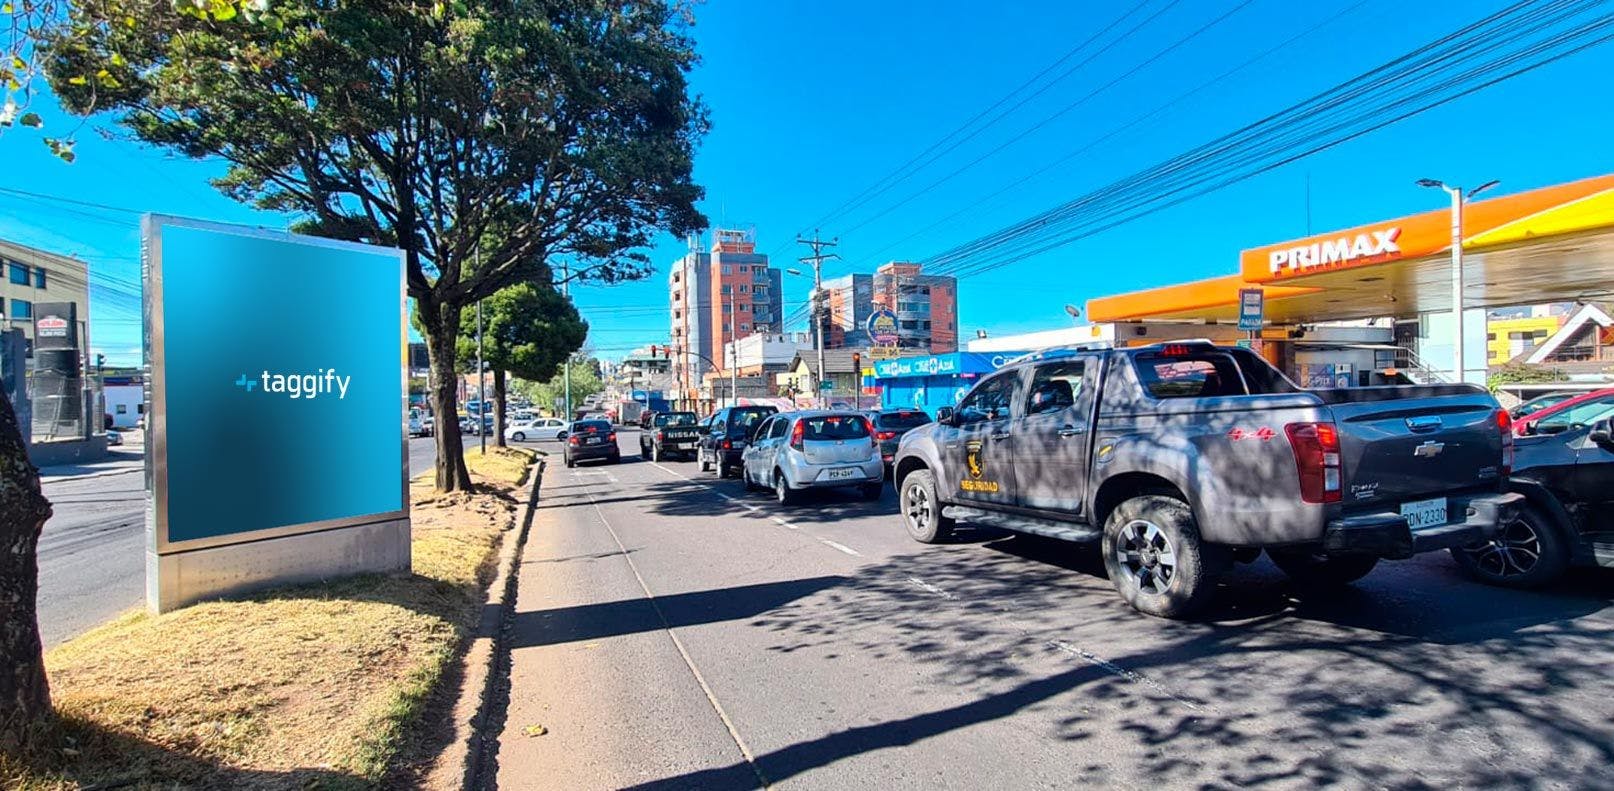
(1554, 244)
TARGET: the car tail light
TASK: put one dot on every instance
(884, 435)
(574, 440)
(798, 436)
(1316, 447)
(611, 436)
(1504, 423)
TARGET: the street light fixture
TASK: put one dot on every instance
(1457, 199)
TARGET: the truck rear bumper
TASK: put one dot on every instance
(1387, 535)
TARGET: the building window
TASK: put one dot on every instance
(39, 277)
(728, 307)
(744, 306)
(745, 327)
(140, 409)
(726, 269)
(123, 409)
(1490, 336)
(22, 309)
(18, 272)
(745, 289)
(726, 289)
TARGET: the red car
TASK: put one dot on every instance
(1582, 410)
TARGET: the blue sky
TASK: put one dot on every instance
(812, 102)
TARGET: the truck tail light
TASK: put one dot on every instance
(1504, 423)
(798, 435)
(885, 435)
(661, 435)
(1316, 447)
(727, 445)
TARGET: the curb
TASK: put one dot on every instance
(460, 764)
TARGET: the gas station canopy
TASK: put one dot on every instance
(1554, 244)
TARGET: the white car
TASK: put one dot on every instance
(792, 452)
(537, 428)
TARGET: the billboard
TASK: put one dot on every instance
(278, 382)
(883, 328)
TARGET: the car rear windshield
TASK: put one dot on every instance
(741, 421)
(583, 426)
(676, 419)
(831, 427)
(901, 420)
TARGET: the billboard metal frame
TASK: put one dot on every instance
(157, 410)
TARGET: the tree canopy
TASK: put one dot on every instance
(492, 140)
(527, 331)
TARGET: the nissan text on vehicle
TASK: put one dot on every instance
(1181, 459)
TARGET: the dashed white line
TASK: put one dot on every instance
(835, 545)
(782, 522)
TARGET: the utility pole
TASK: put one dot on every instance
(566, 369)
(817, 259)
(734, 359)
(1458, 197)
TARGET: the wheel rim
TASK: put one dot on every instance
(1515, 551)
(781, 488)
(917, 508)
(1145, 553)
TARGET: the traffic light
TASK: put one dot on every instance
(857, 363)
(100, 362)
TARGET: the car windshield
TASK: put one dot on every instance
(901, 420)
(676, 419)
(590, 426)
(834, 427)
(1576, 416)
(741, 420)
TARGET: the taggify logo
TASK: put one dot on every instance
(303, 386)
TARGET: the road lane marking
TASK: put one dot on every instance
(785, 523)
(1076, 651)
(689, 661)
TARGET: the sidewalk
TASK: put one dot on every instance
(119, 460)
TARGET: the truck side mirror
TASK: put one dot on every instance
(1602, 434)
(944, 415)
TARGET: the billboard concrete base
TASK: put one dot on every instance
(183, 578)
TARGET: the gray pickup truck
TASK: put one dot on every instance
(1183, 458)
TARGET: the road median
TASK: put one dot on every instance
(328, 686)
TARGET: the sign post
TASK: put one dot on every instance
(277, 412)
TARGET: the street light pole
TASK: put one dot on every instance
(734, 360)
(1458, 197)
(817, 260)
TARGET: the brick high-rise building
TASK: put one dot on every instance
(926, 307)
(716, 296)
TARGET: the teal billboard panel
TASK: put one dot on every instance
(278, 383)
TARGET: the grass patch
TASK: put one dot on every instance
(308, 687)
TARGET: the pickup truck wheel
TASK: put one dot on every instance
(1318, 570)
(922, 509)
(1529, 552)
(655, 452)
(1154, 556)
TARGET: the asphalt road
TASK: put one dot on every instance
(92, 551)
(675, 631)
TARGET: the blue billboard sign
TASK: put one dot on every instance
(278, 384)
(956, 363)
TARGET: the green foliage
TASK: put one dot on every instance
(485, 139)
(544, 395)
(1522, 373)
(527, 330)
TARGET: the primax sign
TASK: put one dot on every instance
(277, 417)
(1338, 250)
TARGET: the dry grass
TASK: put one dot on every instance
(313, 687)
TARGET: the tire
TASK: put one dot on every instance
(745, 477)
(1154, 557)
(655, 452)
(1312, 569)
(921, 509)
(782, 491)
(870, 491)
(1506, 562)
(723, 469)
(560, 435)
(705, 465)
(519, 437)
(571, 462)
(616, 458)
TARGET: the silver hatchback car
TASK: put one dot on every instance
(794, 451)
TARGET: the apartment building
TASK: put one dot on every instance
(717, 295)
(926, 307)
(29, 277)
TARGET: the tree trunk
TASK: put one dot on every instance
(24, 691)
(441, 324)
(498, 407)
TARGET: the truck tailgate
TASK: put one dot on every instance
(1396, 450)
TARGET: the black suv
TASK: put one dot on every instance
(669, 433)
(1568, 482)
(723, 436)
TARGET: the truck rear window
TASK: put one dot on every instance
(833, 427)
(1191, 376)
(901, 420)
(675, 419)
